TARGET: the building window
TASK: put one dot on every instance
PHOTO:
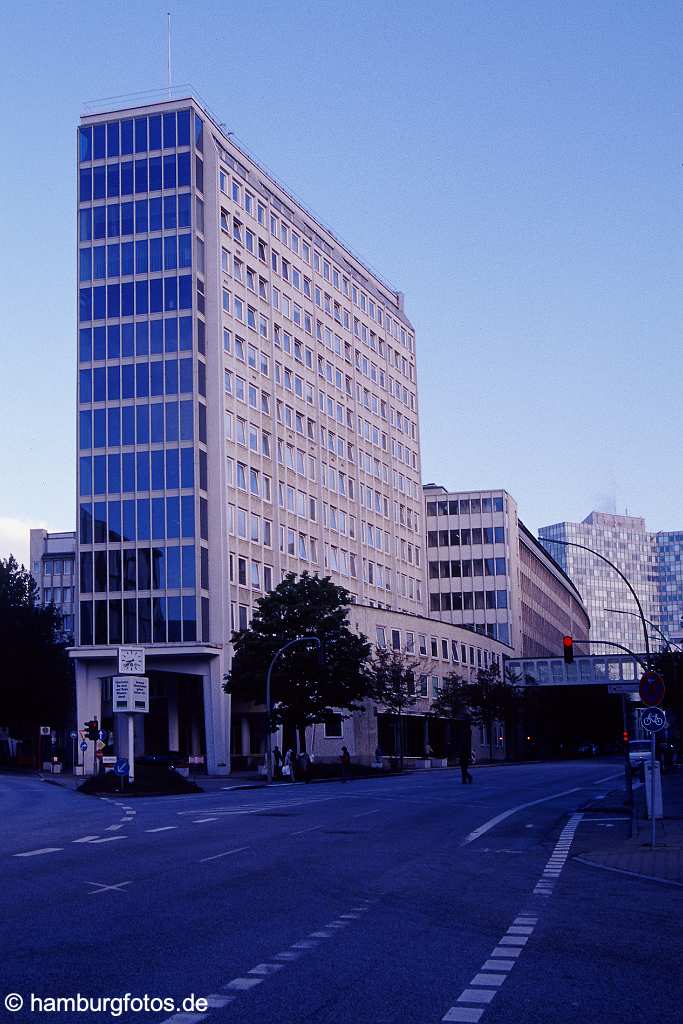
(334, 727)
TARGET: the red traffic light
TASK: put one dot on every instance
(568, 649)
(625, 735)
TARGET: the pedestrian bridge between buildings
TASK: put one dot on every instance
(589, 670)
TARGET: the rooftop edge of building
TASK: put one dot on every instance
(161, 99)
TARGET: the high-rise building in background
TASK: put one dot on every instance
(650, 561)
(486, 571)
(669, 563)
(53, 567)
(247, 407)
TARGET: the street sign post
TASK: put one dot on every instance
(130, 694)
(652, 688)
(653, 720)
(84, 746)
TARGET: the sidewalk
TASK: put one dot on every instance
(615, 850)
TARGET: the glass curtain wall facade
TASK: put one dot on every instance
(142, 466)
(625, 541)
(669, 561)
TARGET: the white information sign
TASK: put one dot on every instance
(130, 693)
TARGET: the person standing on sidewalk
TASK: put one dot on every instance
(345, 759)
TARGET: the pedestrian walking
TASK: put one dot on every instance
(345, 759)
(289, 768)
(304, 766)
(464, 762)
(277, 763)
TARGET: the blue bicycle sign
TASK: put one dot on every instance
(654, 720)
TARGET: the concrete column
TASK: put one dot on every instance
(216, 720)
(88, 706)
(245, 735)
(173, 726)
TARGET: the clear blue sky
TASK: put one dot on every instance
(513, 166)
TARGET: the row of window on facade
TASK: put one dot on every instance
(466, 568)
(162, 567)
(139, 135)
(142, 620)
(114, 341)
(460, 600)
(54, 567)
(140, 217)
(423, 645)
(457, 538)
(298, 245)
(464, 506)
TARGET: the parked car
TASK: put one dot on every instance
(638, 752)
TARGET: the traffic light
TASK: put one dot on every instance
(93, 729)
(568, 649)
(625, 736)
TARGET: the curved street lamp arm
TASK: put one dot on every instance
(584, 547)
(290, 643)
(669, 643)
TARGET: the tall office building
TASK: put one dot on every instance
(626, 542)
(246, 407)
(487, 571)
(650, 561)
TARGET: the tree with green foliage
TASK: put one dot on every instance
(491, 698)
(36, 685)
(308, 686)
(393, 687)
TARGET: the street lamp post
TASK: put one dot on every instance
(646, 637)
(285, 647)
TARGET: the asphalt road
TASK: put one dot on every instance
(413, 899)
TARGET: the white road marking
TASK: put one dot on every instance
(266, 968)
(227, 853)
(37, 853)
(107, 839)
(200, 821)
(495, 980)
(591, 821)
(633, 874)
(513, 810)
(242, 984)
(314, 828)
(85, 839)
(476, 995)
(216, 1001)
(118, 887)
(608, 778)
(463, 1013)
(163, 828)
(185, 1018)
(113, 828)
(498, 965)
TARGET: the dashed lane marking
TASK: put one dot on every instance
(37, 853)
(226, 853)
(201, 821)
(257, 975)
(106, 839)
(85, 839)
(163, 828)
(491, 976)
